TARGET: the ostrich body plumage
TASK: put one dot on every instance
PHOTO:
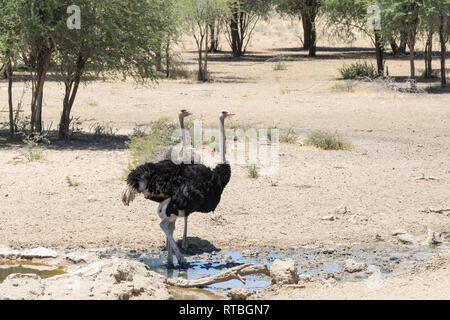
(190, 187)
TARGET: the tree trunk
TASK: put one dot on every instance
(214, 47)
(429, 56)
(395, 48)
(307, 31)
(43, 63)
(443, 38)
(312, 45)
(168, 62)
(380, 54)
(236, 41)
(69, 99)
(403, 43)
(411, 44)
(158, 56)
(10, 98)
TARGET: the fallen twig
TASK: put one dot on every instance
(440, 211)
(424, 178)
(236, 273)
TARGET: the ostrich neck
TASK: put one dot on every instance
(223, 150)
(183, 132)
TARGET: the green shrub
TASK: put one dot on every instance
(358, 70)
(102, 129)
(289, 136)
(147, 139)
(253, 171)
(327, 141)
(280, 66)
(346, 86)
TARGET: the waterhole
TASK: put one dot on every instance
(316, 262)
(8, 267)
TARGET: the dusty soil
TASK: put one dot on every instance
(396, 138)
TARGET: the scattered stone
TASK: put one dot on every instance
(378, 237)
(284, 272)
(39, 253)
(8, 253)
(328, 218)
(240, 294)
(352, 266)
(92, 198)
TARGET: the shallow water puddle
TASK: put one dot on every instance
(317, 262)
(8, 267)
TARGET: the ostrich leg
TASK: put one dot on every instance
(185, 245)
(169, 248)
(165, 226)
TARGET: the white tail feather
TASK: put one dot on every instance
(128, 195)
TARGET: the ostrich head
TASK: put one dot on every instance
(184, 113)
(224, 114)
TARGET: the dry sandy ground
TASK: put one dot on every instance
(396, 138)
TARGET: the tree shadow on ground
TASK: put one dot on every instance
(80, 141)
(323, 53)
(438, 90)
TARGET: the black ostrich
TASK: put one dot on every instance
(186, 155)
(180, 189)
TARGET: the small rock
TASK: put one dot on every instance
(39, 253)
(444, 236)
(352, 266)
(328, 250)
(284, 272)
(239, 294)
(8, 253)
(398, 232)
(328, 218)
(304, 278)
(77, 258)
(431, 238)
(342, 210)
(92, 198)
(406, 239)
